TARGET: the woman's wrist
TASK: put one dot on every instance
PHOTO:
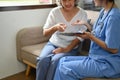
(55, 28)
(66, 49)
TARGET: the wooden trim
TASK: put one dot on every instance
(29, 66)
(28, 70)
(28, 63)
(26, 7)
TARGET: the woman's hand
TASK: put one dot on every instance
(60, 27)
(81, 22)
(59, 50)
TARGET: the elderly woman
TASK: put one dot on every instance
(104, 54)
(60, 20)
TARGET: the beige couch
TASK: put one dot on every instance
(30, 41)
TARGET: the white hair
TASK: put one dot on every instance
(58, 2)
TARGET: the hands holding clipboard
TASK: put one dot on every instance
(81, 31)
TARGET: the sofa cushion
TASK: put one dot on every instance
(29, 36)
(30, 53)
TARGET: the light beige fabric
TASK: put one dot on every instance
(27, 37)
(30, 53)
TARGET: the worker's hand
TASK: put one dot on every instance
(85, 35)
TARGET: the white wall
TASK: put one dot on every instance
(10, 23)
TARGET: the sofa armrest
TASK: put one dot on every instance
(29, 36)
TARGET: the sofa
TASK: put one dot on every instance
(30, 41)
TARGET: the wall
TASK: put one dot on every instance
(10, 23)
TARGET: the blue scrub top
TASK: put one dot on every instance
(107, 28)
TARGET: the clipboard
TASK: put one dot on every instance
(71, 33)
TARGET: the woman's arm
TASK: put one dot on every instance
(58, 27)
(72, 45)
(49, 31)
(78, 22)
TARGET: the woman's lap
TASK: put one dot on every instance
(47, 57)
(47, 50)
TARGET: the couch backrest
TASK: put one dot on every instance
(29, 36)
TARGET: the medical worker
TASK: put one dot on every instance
(104, 54)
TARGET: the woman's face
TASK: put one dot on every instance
(68, 4)
(99, 2)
